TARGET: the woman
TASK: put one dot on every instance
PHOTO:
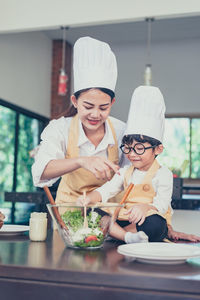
(83, 148)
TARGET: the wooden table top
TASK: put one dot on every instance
(51, 262)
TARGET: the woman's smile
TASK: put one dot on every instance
(93, 122)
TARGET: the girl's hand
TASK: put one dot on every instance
(137, 213)
(101, 167)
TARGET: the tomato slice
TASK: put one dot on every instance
(91, 238)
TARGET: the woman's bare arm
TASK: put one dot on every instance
(101, 167)
(58, 167)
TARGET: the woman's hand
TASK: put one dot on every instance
(101, 167)
(137, 213)
(176, 235)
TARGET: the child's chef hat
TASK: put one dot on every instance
(147, 113)
(94, 65)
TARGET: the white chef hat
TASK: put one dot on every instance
(147, 113)
(94, 65)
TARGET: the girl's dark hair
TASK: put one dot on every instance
(72, 111)
(130, 138)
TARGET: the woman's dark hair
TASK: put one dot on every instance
(130, 138)
(104, 90)
(72, 111)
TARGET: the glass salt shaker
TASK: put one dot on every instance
(38, 226)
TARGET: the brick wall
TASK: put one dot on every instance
(60, 103)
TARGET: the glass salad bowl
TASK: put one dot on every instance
(84, 227)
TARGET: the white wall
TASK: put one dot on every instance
(175, 68)
(187, 221)
(25, 15)
(25, 71)
(25, 59)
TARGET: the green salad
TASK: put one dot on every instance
(84, 237)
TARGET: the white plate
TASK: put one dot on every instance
(160, 253)
(13, 229)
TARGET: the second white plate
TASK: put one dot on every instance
(160, 253)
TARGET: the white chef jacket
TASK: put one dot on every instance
(162, 184)
(54, 141)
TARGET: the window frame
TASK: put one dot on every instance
(43, 122)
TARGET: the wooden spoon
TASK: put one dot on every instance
(55, 209)
(85, 224)
(117, 210)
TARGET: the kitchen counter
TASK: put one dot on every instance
(48, 270)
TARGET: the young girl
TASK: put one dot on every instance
(83, 148)
(148, 206)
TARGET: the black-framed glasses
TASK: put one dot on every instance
(139, 148)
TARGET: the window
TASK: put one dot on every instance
(182, 146)
(19, 133)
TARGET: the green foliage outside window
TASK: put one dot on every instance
(182, 147)
(15, 161)
(7, 142)
(195, 151)
(28, 140)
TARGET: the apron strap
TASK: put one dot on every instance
(113, 150)
(127, 176)
(72, 148)
(148, 176)
(151, 172)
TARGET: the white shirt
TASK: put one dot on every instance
(162, 183)
(54, 141)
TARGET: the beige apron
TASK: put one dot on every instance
(142, 193)
(74, 183)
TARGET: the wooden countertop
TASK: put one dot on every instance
(34, 270)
